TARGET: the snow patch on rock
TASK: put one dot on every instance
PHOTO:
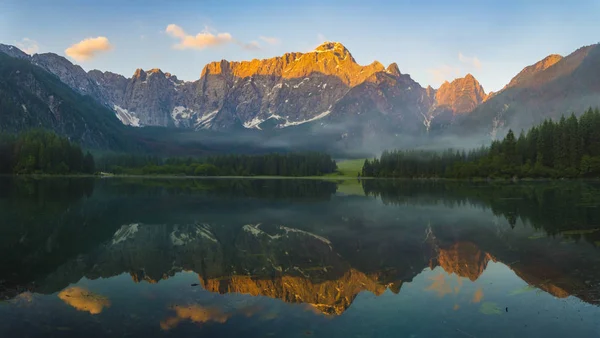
(199, 231)
(205, 121)
(257, 121)
(306, 233)
(257, 232)
(204, 231)
(296, 123)
(125, 232)
(126, 117)
(254, 123)
(181, 113)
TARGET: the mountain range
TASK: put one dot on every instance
(321, 92)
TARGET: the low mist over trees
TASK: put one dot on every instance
(569, 148)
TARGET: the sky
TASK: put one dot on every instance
(433, 41)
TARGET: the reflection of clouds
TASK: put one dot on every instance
(458, 286)
(196, 314)
(84, 300)
(478, 296)
(204, 314)
(439, 285)
(250, 311)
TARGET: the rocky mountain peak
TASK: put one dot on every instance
(72, 75)
(530, 71)
(336, 48)
(144, 75)
(13, 51)
(461, 95)
(139, 74)
(155, 71)
(393, 69)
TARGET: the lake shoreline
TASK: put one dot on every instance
(328, 177)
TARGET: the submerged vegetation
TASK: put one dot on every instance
(568, 148)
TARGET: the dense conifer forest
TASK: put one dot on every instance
(291, 164)
(42, 152)
(568, 148)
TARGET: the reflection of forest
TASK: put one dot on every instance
(568, 208)
(296, 240)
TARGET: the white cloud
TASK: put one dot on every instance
(201, 40)
(444, 73)
(270, 40)
(88, 48)
(28, 46)
(471, 61)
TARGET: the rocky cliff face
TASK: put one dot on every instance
(550, 88)
(328, 88)
(461, 95)
(325, 84)
(530, 71)
(13, 51)
(289, 90)
(72, 75)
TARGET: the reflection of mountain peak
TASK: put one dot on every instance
(464, 259)
(328, 296)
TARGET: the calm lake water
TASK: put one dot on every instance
(298, 258)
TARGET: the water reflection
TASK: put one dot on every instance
(84, 300)
(194, 313)
(190, 255)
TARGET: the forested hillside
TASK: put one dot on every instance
(42, 152)
(569, 147)
(30, 98)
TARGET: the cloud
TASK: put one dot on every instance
(28, 46)
(88, 48)
(201, 40)
(252, 45)
(444, 73)
(270, 40)
(471, 61)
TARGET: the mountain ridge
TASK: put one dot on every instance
(218, 99)
(549, 88)
(329, 93)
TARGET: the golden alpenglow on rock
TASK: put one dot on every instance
(84, 300)
(329, 297)
(464, 259)
(461, 95)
